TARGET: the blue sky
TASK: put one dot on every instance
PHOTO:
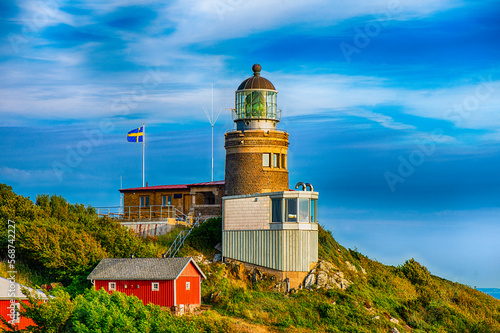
(392, 108)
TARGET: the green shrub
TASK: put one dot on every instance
(205, 237)
(416, 273)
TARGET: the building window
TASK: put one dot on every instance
(276, 160)
(291, 210)
(303, 210)
(155, 286)
(144, 201)
(178, 196)
(313, 211)
(188, 285)
(166, 200)
(266, 160)
(283, 161)
(277, 211)
(15, 316)
(208, 198)
(112, 285)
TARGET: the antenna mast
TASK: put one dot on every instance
(212, 121)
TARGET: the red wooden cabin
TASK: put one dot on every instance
(10, 298)
(170, 282)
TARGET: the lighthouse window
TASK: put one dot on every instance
(276, 159)
(266, 160)
(283, 161)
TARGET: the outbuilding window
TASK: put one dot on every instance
(293, 210)
(112, 285)
(188, 285)
(144, 201)
(276, 210)
(166, 200)
(155, 286)
(16, 315)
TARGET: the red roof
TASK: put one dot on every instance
(173, 187)
(218, 182)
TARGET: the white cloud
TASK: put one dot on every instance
(210, 20)
(23, 176)
(64, 90)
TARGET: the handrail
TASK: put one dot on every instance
(141, 212)
(181, 238)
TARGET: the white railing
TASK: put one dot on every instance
(180, 239)
(153, 212)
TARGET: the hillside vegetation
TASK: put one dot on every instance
(60, 242)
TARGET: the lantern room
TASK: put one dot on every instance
(255, 104)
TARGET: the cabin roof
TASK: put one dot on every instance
(141, 268)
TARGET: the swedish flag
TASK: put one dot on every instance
(136, 135)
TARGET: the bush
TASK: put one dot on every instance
(98, 311)
(64, 241)
(416, 273)
(207, 235)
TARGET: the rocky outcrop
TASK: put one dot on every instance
(326, 275)
(351, 267)
(237, 269)
(200, 259)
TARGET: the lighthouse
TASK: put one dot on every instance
(265, 224)
(256, 152)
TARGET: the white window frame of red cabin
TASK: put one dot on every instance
(111, 285)
(155, 286)
(188, 285)
(16, 318)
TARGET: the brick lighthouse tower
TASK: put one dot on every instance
(256, 153)
(265, 225)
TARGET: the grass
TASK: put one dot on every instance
(419, 301)
(380, 297)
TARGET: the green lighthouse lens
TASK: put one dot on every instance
(255, 105)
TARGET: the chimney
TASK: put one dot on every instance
(147, 184)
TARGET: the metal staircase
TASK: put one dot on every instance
(180, 239)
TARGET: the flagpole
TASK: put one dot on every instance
(143, 149)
